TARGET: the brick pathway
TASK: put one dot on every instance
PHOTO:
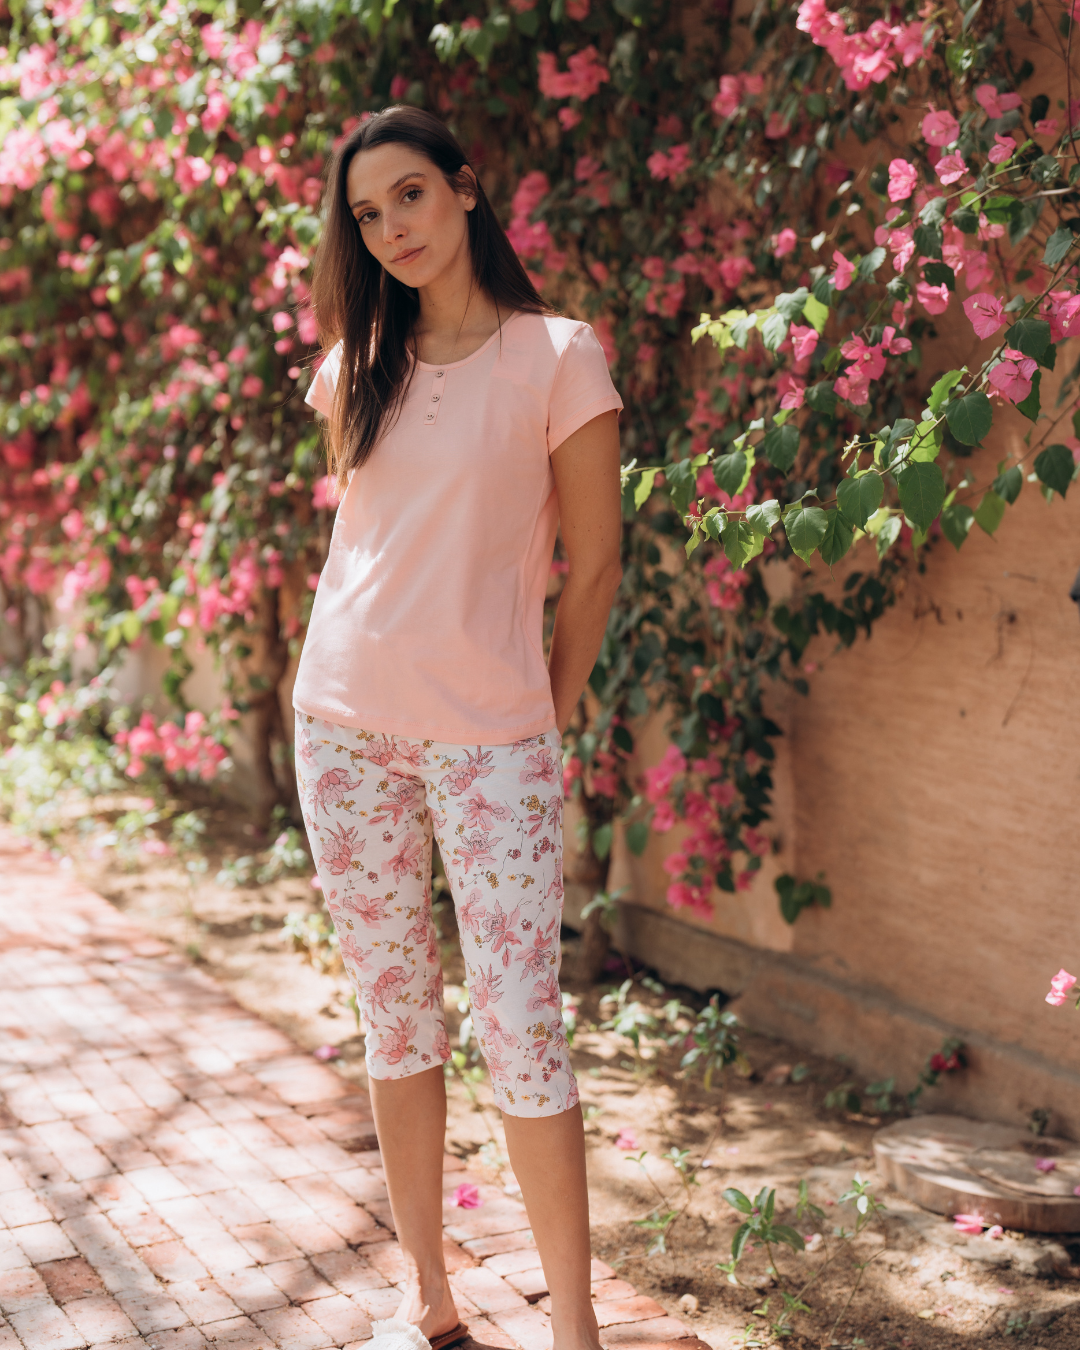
(176, 1173)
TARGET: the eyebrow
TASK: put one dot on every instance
(393, 188)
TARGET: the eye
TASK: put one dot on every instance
(409, 192)
(362, 219)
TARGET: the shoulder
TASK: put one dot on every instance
(320, 394)
(541, 341)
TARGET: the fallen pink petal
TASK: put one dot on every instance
(626, 1140)
(327, 1052)
(968, 1223)
(467, 1196)
(1045, 1164)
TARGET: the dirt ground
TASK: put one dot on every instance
(926, 1286)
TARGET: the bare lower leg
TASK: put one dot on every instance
(410, 1116)
(548, 1158)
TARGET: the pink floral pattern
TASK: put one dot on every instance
(386, 799)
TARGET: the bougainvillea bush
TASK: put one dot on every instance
(783, 199)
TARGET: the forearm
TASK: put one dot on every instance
(580, 621)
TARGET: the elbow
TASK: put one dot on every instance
(604, 580)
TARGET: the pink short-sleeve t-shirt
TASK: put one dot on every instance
(428, 617)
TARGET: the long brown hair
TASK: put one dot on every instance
(359, 304)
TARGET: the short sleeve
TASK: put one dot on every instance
(582, 388)
(320, 394)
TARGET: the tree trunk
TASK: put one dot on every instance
(268, 727)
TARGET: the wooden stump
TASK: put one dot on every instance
(952, 1165)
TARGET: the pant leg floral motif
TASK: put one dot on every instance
(372, 803)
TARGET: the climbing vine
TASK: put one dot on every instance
(762, 210)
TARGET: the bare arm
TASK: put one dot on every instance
(586, 468)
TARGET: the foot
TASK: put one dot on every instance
(433, 1311)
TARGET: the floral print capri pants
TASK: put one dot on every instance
(372, 802)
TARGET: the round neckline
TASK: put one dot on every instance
(452, 365)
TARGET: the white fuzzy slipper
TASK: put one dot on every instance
(394, 1334)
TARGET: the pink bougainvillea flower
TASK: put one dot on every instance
(995, 104)
(316, 883)
(1003, 149)
(950, 167)
(969, 1223)
(783, 243)
(1059, 988)
(903, 179)
(845, 270)
(986, 312)
(326, 1052)
(626, 1140)
(1045, 1164)
(1047, 126)
(324, 493)
(467, 1196)
(934, 299)
(940, 128)
(995, 1232)
(1011, 377)
(803, 341)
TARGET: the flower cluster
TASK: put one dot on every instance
(184, 750)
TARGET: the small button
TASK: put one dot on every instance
(434, 398)
(430, 417)
(439, 374)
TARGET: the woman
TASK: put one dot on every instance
(466, 418)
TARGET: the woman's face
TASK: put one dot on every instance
(410, 217)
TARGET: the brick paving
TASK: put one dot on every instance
(176, 1173)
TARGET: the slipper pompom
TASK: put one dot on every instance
(394, 1334)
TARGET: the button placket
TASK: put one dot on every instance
(438, 384)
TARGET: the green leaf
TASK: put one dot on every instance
(791, 304)
(782, 446)
(956, 521)
(870, 263)
(783, 1233)
(1030, 336)
(1057, 246)
(965, 220)
(925, 442)
(821, 398)
(681, 483)
(937, 272)
(741, 543)
(887, 535)
(970, 417)
(942, 388)
(922, 493)
(732, 472)
(1030, 406)
(637, 836)
(601, 841)
(773, 331)
(643, 488)
(762, 516)
(1000, 210)
(933, 213)
(1055, 467)
(990, 511)
(1007, 485)
(928, 240)
(738, 1201)
(816, 313)
(858, 498)
(693, 542)
(837, 539)
(738, 1242)
(805, 527)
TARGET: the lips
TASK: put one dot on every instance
(408, 257)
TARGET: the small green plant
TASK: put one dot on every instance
(714, 1043)
(760, 1227)
(314, 935)
(287, 855)
(635, 1022)
(795, 896)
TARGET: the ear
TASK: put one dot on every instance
(470, 194)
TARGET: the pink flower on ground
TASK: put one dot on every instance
(1059, 988)
(903, 179)
(1003, 149)
(326, 1052)
(467, 1196)
(986, 312)
(950, 167)
(940, 128)
(969, 1223)
(783, 243)
(626, 1140)
(845, 270)
(1045, 1164)
(1011, 377)
(995, 1232)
